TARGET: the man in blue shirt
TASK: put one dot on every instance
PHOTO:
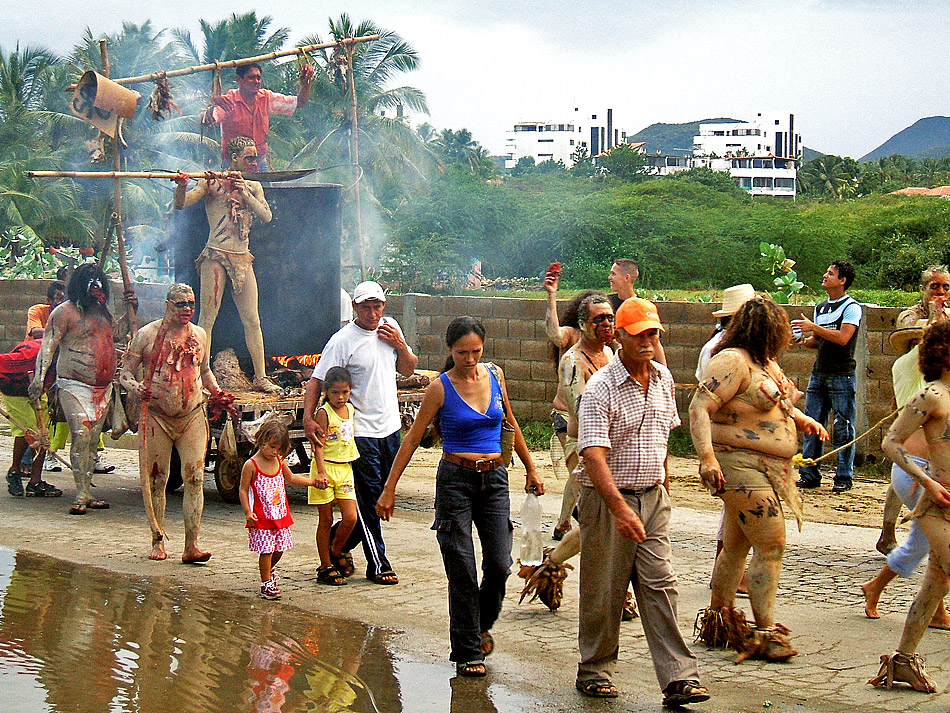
(833, 384)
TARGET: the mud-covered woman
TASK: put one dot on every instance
(928, 409)
(469, 399)
(745, 426)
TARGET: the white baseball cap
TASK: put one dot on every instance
(368, 290)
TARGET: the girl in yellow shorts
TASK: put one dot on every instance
(334, 476)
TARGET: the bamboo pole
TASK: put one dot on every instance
(117, 201)
(167, 175)
(237, 62)
(355, 157)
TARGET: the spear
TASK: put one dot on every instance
(155, 76)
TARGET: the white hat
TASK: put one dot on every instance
(368, 290)
(733, 298)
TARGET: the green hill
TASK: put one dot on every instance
(926, 138)
(672, 139)
(677, 139)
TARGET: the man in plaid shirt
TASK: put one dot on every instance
(625, 419)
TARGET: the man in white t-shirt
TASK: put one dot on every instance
(372, 347)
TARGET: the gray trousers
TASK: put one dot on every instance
(608, 562)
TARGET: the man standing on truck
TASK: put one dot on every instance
(372, 347)
(176, 417)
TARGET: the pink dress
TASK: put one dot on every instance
(268, 500)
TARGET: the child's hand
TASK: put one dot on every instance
(321, 482)
(251, 518)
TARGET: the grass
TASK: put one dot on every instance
(537, 433)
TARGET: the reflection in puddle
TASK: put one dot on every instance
(82, 639)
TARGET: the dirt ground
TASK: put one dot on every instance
(862, 505)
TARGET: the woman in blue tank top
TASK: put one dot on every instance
(471, 488)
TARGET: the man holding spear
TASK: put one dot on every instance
(232, 203)
(170, 356)
(81, 329)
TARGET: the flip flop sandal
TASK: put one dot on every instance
(471, 669)
(97, 505)
(385, 578)
(682, 693)
(597, 688)
(330, 575)
(77, 509)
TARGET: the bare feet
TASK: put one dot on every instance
(938, 622)
(158, 551)
(871, 598)
(743, 584)
(887, 541)
(195, 556)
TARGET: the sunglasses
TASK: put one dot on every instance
(601, 318)
(185, 304)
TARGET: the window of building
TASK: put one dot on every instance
(593, 117)
(757, 163)
(776, 122)
(745, 182)
(545, 141)
(719, 133)
(572, 142)
(544, 156)
(785, 183)
(761, 182)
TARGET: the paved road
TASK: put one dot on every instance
(536, 651)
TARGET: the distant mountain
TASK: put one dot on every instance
(672, 139)
(926, 138)
(677, 139)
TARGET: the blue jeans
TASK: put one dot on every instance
(370, 471)
(464, 497)
(905, 558)
(831, 393)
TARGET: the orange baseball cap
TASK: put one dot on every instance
(636, 315)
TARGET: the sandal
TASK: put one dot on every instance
(344, 563)
(385, 578)
(597, 688)
(97, 505)
(487, 644)
(904, 668)
(681, 693)
(330, 575)
(471, 669)
(77, 509)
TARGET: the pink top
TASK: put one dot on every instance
(268, 499)
(252, 121)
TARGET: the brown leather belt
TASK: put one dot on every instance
(638, 492)
(482, 465)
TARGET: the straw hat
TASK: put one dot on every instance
(733, 298)
(901, 338)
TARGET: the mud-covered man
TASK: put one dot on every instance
(232, 204)
(176, 417)
(81, 329)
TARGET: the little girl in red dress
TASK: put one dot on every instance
(264, 499)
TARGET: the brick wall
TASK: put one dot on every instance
(516, 341)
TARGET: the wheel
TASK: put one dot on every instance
(174, 473)
(227, 473)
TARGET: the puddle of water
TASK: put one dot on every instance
(81, 639)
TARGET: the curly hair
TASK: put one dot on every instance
(934, 354)
(760, 327)
(238, 144)
(273, 432)
(569, 319)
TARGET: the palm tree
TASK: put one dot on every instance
(827, 175)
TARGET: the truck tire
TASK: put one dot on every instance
(174, 473)
(227, 473)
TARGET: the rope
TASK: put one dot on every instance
(799, 460)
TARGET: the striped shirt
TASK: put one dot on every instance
(634, 425)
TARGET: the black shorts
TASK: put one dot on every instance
(558, 422)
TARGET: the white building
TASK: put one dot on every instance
(549, 141)
(761, 154)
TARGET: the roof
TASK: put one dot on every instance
(938, 191)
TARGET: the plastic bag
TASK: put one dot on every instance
(532, 551)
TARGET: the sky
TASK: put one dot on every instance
(854, 72)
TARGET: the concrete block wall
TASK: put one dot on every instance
(17, 296)
(515, 340)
